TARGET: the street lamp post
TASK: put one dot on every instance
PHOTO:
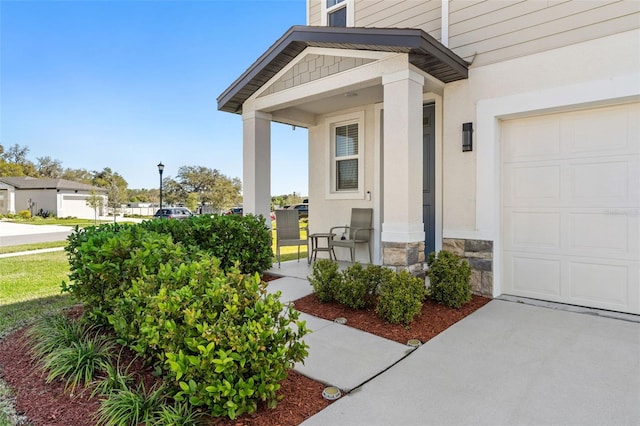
(160, 169)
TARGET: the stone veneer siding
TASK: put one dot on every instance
(479, 254)
(404, 257)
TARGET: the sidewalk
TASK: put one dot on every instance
(24, 253)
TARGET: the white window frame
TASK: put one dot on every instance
(331, 124)
(348, 4)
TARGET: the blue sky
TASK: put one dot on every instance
(127, 84)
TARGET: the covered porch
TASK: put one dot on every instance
(360, 92)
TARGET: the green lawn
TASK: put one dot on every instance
(30, 287)
(65, 221)
(36, 246)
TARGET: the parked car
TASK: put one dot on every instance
(173, 213)
(235, 210)
(303, 209)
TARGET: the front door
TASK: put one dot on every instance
(429, 178)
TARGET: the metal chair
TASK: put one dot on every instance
(358, 232)
(288, 231)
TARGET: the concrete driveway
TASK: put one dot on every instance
(507, 364)
(12, 234)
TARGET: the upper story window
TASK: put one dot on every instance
(337, 13)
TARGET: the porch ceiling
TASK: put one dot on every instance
(424, 51)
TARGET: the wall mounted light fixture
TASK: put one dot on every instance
(467, 137)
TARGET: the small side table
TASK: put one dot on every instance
(313, 254)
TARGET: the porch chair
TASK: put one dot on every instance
(358, 232)
(288, 231)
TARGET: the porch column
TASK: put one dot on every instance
(402, 227)
(256, 155)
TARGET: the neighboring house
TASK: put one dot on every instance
(507, 132)
(63, 198)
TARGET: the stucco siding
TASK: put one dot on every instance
(45, 200)
(325, 213)
(618, 55)
(496, 30)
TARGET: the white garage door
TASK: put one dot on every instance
(76, 206)
(571, 207)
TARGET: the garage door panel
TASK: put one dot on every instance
(585, 133)
(535, 229)
(602, 284)
(599, 181)
(535, 277)
(542, 139)
(532, 184)
(600, 234)
(571, 215)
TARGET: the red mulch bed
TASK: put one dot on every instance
(433, 320)
(47, 404)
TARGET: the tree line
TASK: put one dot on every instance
(193, 186)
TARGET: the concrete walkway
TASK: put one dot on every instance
(506, 364)
(339, 355)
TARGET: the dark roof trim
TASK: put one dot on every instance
(424, 51)
(26, 182)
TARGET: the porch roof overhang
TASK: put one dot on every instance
(425, 52)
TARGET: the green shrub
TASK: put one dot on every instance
(231, 238)
(222, 341)
(450, 279)
(24, 214)
(376, 275)
(105, 260)
(325, 279)
(355, 290)
(401, 298)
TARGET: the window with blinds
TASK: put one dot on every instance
(346, 157)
